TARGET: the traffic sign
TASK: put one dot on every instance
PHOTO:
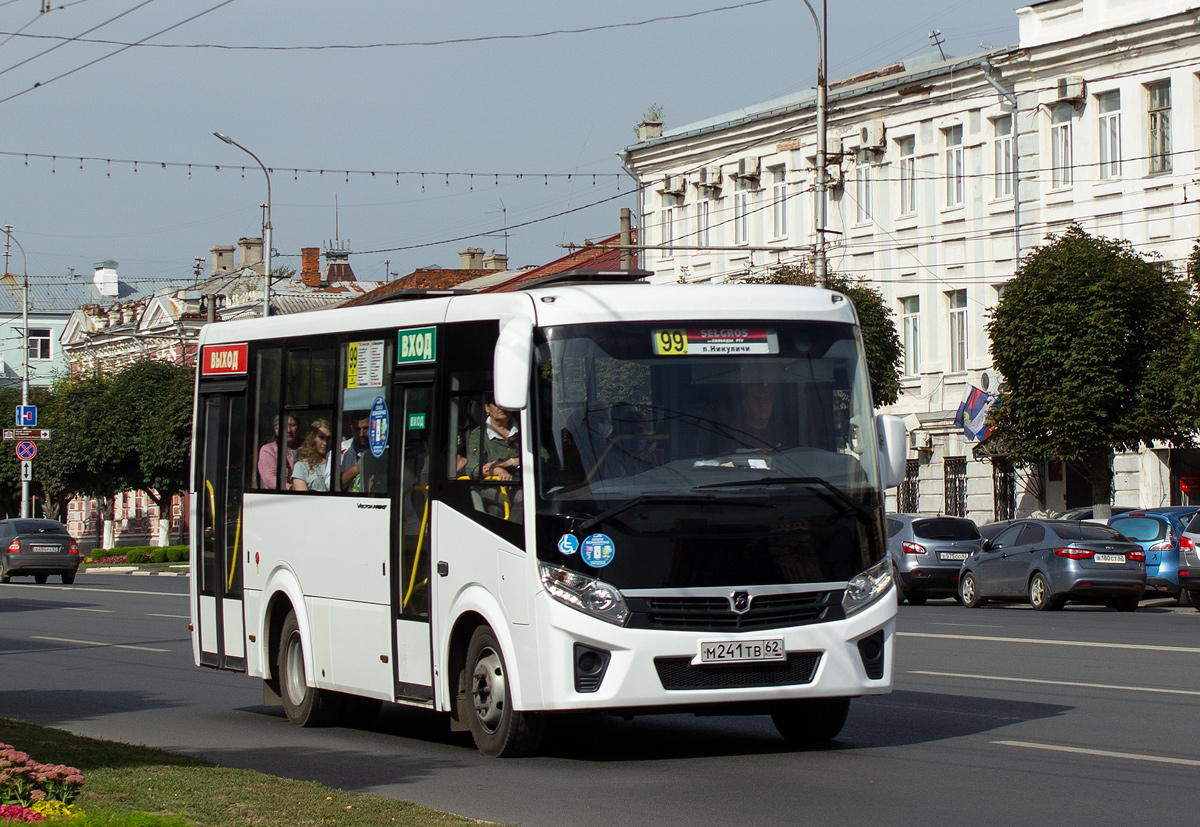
(26, 416)
(26, 433)
(26, 449)
(26, 470)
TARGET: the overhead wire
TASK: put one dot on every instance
(44, 52)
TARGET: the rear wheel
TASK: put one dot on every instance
(40, 578)
(1184, 598)
(68, 577)
(305, 705)
(968, 591)
(810, 720)
(1040, 597)
(5, 578)
(498, 729)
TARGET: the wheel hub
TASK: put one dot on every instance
(488, 690)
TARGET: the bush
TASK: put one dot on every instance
(177, 554)
(137, 555)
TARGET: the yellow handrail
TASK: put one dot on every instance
(412, 580)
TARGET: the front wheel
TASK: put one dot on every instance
(968, 591)
(305, 705)
(810, 720)
(1040, 597)
(498, 729)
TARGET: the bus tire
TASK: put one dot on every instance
(499, 730)
(305, 705)
(810, 720)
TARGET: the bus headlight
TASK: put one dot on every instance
(867, 587)
(588, 595)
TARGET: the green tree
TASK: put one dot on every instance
(881, 342)
(1087, 336)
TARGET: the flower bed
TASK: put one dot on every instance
(31, 791)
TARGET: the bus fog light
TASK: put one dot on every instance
(867, 587)
(588, 595)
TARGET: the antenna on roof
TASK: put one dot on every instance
(935, 37)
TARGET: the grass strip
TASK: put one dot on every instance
(125, 778)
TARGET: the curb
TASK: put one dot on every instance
(134, 570)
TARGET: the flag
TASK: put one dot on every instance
(972, 414)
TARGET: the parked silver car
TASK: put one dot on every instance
(1049, 562)
(927, 553)
(1189, 561)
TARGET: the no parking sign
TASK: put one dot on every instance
(26, 449)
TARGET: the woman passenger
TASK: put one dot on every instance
(311, 472)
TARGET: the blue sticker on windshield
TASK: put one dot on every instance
(377, 427)
(598, 550)
(568, 544)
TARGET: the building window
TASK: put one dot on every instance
(1004, 489)
(1160, 126)
(39, 343)
(1003, 143)
(668, 231)
(908, 176)
(955, 476)
(779, 204)
(912, 335)
(1060, 147)
(958, 330)
(910, 489)
(955, 183)
(741, 217)
(862, 189)
(1109, 104)
(702, 221)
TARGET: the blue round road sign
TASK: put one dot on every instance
(26, 449)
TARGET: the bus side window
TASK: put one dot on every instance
(273, 465)
(311, 390)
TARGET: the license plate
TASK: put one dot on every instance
(739, 651)
(1109, 558)
(953, 555)
(47, 549)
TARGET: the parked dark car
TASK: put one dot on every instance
(1158, 531)
(1189, 561)
(927, 554)
(1049, 562)
(37, 548)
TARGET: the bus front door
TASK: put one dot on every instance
(413, 550)
(218, 570)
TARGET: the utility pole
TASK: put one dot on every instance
(626, 237)
(819, 191)
(9, 240)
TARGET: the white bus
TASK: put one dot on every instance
(587, 494)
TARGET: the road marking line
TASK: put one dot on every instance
(1089, 644)
(46, 587)
(96, 643)
(83, 609)
(1077, 684)
(173, 617)
(972, 625)
(1102, 753)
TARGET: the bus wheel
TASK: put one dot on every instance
(498, 729)
(810, 720)
(305, 705)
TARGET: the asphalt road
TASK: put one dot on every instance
(1001, 715)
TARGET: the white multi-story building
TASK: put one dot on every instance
(932, 203)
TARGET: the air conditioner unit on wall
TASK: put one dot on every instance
(1071, 88)
(871, 136)
(748, 168)
(673, 184)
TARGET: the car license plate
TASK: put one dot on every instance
(953, 555)
(739, 651)
(1109, 558)
(47, 549)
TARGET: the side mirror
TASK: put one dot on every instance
(514, 349)
(986, 545)
(893, 449)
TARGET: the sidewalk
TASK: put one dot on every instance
(143, 571)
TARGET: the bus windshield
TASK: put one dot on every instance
(712, 427)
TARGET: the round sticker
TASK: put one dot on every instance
(598, 550)
(568, 544)
(377, 427)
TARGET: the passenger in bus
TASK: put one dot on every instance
(353, 449)
(312, 460)
(268, 456)
(494, 449)
(633, 447)
(759, 423)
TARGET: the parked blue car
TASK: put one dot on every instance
(1158, 531)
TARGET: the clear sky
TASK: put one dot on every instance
(481, 94)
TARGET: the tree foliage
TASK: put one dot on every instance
(881, 341)
(1088, 337)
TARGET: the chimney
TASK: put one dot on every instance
(471, 259)
(222, 258)
(106, 280)
(250, 252)
(310, 266)
(496, 261)
(649, 130)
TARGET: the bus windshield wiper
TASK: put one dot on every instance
(838, 494)
(659, 499)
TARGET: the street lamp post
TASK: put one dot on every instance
(266, 225)
(25, 512)
(819, 264)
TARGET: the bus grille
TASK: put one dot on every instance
(680, 673)
(714, 614)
